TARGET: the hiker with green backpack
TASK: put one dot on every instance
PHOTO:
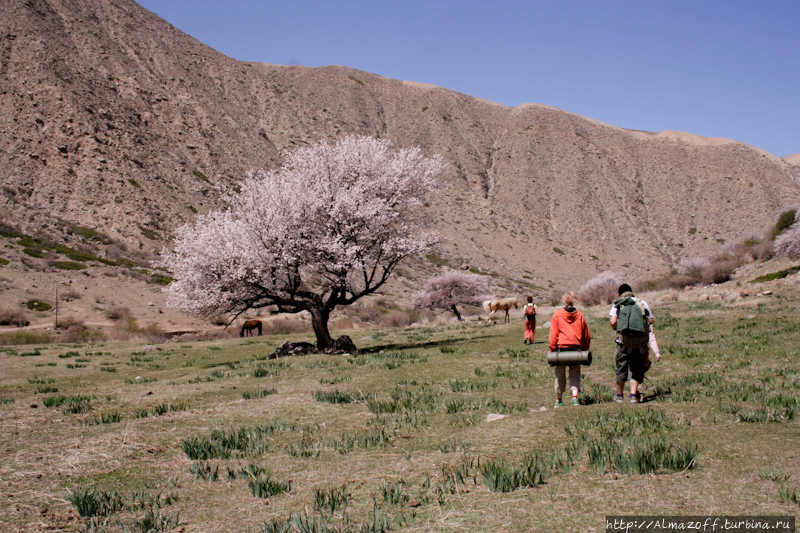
(631, 318)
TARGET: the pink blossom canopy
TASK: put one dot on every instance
(326, 229)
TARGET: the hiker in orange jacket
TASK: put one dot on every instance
(568, 331)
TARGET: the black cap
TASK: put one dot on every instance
(624, 288)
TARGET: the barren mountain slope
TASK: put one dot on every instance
(115, 120)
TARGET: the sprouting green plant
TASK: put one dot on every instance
(393, 493)
(265, 486)
(204, 470)
(247, 395)
(178, 406)
(336, 396)
(331, 499)
(222, 443)
(153, 521)
(454, 405)
(788, 495)
(772, 475)
(503, 476)
(95, 502)
(270, 370)
(109, 418)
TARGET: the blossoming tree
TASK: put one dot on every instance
(450, 289)
(325, 230)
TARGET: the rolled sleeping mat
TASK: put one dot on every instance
(571, 357)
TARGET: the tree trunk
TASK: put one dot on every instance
(319, 320)
(455, 310)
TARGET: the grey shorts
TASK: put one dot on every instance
(629, 364)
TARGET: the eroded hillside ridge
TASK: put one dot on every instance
(114, 119)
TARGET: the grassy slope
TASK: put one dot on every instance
(748, 362)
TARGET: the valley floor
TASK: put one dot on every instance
(213, 436)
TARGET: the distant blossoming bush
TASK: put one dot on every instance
(601, 289)
(693, 266)
(451, 289)
(788, 243)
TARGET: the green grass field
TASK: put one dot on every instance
(212, 436)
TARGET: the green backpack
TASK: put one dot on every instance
(632, 323)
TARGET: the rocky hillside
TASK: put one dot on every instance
(114, 120)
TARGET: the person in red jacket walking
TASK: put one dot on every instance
(530, 321)
(568, 331)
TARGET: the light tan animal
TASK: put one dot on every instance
(505, 304)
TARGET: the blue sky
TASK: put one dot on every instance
(718, 68)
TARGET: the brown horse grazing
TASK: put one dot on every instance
(250, 325)
(493, 306)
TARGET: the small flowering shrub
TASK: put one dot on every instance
(451, 289)
(601, 289)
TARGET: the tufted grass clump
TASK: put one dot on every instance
(72, 404)
(204, 470)
(303, 522)
(330, 499)
(505, 476)
(503, 407)
(455, 405)
(178, 406)
(242, 441)
(269, 370)
(95, 502)
(264, 486)
(471, 385)
(765, 414)
(396, 355)
(640, 455)
(593, 393)
(110, 418)
(772, 475)
(629, 442)
(382, 407)
(451, 349)
(200, 448)
(338, 397)
(393, 493)
(788, 495)
(153, 521)
(249, 395)
(305, 449)
(516, 353)
(365, 439)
